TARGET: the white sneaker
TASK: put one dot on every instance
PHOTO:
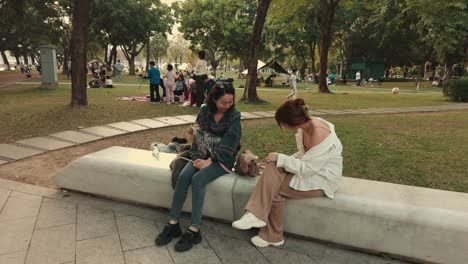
(259, 242)
(247, 221)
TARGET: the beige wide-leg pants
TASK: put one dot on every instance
(268, 199)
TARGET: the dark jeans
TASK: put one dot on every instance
(200, 96)
(161, 83)
(198, 179)
(154, 88)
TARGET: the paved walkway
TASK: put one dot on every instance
(47, 226)
(40, 225)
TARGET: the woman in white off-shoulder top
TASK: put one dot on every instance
(314, 171)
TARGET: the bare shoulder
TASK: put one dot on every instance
(321, 130)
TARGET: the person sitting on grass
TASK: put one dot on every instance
(109, 83)
(94, 83)
(314, 171)
(213, 155)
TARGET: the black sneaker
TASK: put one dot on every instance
(169, 232)
(188, 239)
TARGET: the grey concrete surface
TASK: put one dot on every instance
(115, 232)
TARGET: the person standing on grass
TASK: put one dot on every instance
(358, 78)
(169, 81)
(314, 171)
(200, 74)
(213, 154)
(154, 75)
(293, 85)
(118, 70)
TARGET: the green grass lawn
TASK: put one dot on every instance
(27, 111)
(420, 149)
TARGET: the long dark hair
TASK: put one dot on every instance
(292, 113)
(218, 91)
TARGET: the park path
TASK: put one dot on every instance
(14, 78)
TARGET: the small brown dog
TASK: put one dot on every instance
(246, 164)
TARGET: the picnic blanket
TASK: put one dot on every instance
(133, 98)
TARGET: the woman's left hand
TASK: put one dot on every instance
(201, 163)
(272, 157)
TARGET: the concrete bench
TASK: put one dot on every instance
(418, 223)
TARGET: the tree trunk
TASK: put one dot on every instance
(66, 58)
(25, 59)
(312, 46)
(5, 59)
(250, 91)
(421, 72)
(105, 54)
(17, 59)
(148, 53)
(327, 13)
(113, 59)
(79, 42)
(448, 72)
(33, 60)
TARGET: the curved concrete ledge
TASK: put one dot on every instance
(419, 223)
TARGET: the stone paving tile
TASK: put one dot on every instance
(76, 136)
(45, 143)
(225, 229)
(330, 112)
(264, 114)
(52, 245)
(4, 194)
(103, 250)
(55, 213)
(312, 249)
(136, 232)
(280, 256)
(148, 255)
(16, 235)
(19, 206)
(315, 113)
(150, 123)
(94, 223)
(379, 110)
(16, 152)
(128, 126)
(339, 256)
(13, 258)
(189, 118)
(172, 120)
(365, 111)
(231, 250)
(198, 254)
(354, 111)
(27, 188)
(125, 209)
(103, 131)
(247, 115)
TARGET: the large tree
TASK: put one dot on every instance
(443, 24)
(219, 27)
(130, 25)
(327, 14)
(250, 92)
(79, 42)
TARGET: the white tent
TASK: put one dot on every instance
(259, 65)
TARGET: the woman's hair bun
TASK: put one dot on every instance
(300, 104)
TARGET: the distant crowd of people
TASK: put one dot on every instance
(190, 88)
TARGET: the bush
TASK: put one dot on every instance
(456, 90)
